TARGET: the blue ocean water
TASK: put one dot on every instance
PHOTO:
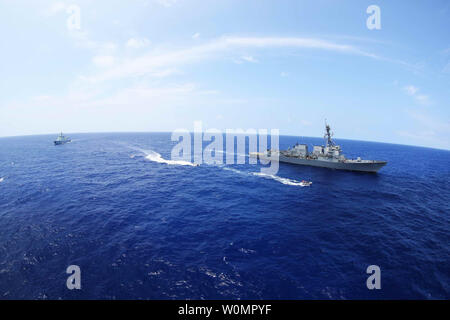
(140, 227)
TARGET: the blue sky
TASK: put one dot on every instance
(158, 65)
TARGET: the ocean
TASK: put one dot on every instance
(140, 226)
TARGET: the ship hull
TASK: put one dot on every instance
(57, 143)
(372, 166)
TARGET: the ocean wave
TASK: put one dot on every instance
(145, 212)
(246, 251)
(286, 181)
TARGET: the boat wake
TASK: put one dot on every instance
(286, 181)
(156, 157)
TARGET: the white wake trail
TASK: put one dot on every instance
(156, 157)
(286, 181)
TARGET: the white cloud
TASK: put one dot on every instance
(167, 3)
(413, 92)
(55, 8)
(41, 98)
(139, 94)
(156, 60)
(310, 43)
(103, 61)
(82, 39)
(428, 130)
(196, 35)
(422, 99)
(249, 59)
(137, 43)
(243, 59)
(284, 74)
(305, 123)
(85, 105)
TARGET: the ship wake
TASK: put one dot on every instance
(285, 181)
(156, 157)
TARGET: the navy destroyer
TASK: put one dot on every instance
(61, 139)
(327, 156)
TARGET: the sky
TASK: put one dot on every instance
(159, 65)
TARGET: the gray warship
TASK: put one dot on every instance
(61, 139)
(328, 156)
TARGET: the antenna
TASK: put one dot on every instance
(328, 135)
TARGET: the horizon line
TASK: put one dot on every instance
(285, 135)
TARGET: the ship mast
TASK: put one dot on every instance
(328, 134)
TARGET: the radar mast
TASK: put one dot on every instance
(328, 135)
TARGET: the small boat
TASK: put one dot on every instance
(305, 183)
(61, 139)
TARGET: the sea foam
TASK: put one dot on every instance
(286, 181)
(156, 157)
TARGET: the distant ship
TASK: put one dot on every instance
(61, 139)
(328, 156)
